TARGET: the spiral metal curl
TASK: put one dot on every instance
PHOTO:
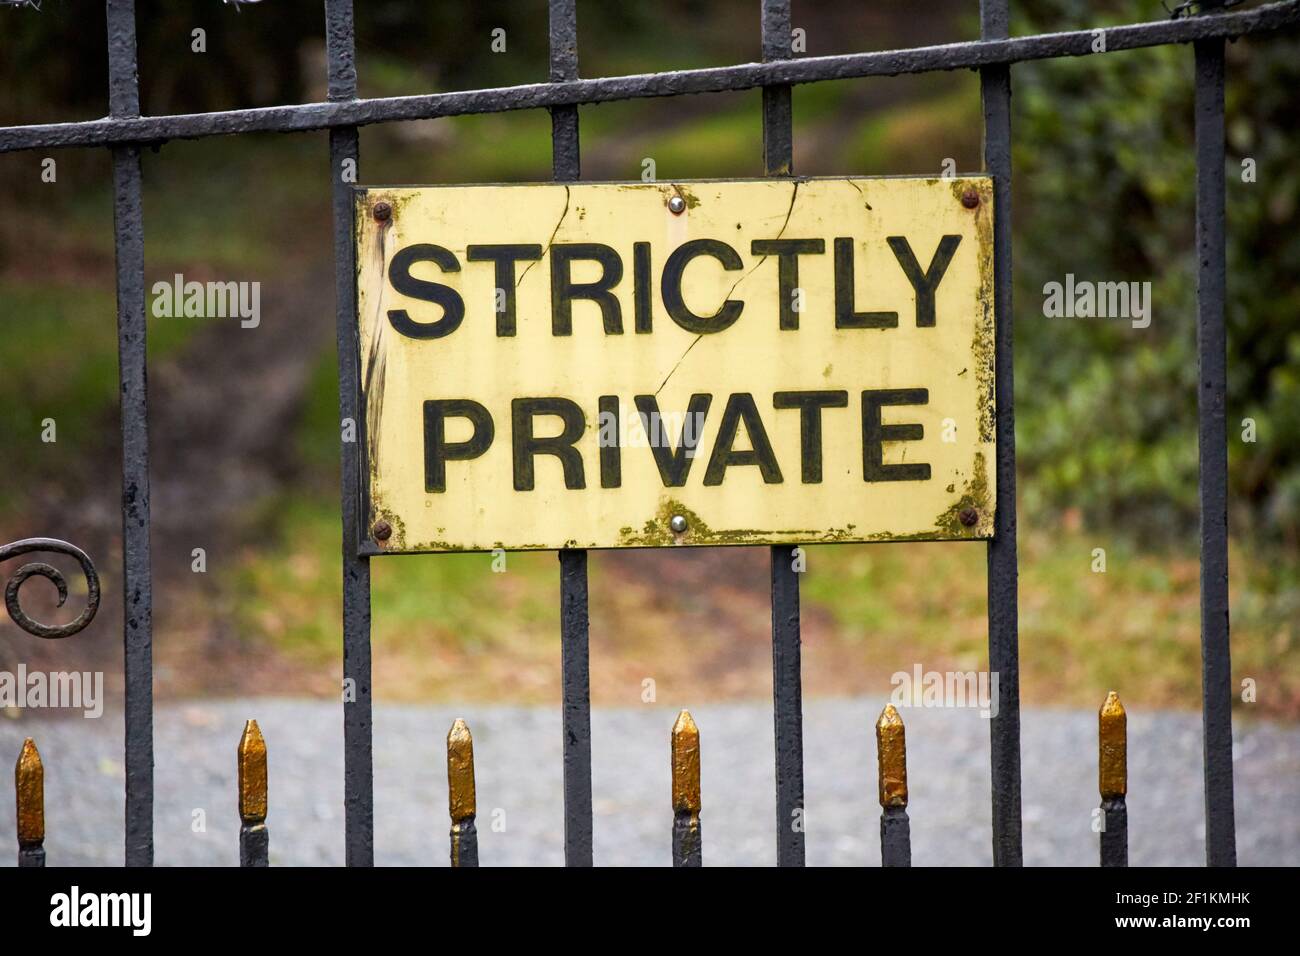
(53, 575)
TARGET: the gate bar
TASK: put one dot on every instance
(574, 668)
(787, 692)
(358, 752)
(744, 76)
(137, 581)
(1003, 567)
(1212, 444)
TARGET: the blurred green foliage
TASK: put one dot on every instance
(1105, 189)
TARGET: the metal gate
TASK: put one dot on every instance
(125, 132)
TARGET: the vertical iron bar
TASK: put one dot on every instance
(577, 709)
(895, 837)
(564, 66)
(787, 693)
(137, 582)
(464, 844)
(573, 564)
(688, 845)
(1114, 838)
(1212, 442)
(787, 708)
(1003, 570)
(778, 118)
(254, 845)
(358, 762)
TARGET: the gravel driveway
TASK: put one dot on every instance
(517, 752)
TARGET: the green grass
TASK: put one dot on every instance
(1134, 628)
(484, 624)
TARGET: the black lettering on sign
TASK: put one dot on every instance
(810, 405)
(787, 252)
(505, 256)
(874, 434)
(524, 445)
(741, 407)
(927, 283)
(674, 466)
(671, 286)
(845, 317)
(608, 438)
(399, 274)
(641, 290)
(564, 290)
(438, 451)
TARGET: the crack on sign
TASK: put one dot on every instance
(860, 193)
(549, 242)
(794, 193)
(679, 363)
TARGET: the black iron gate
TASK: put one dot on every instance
(125, 132)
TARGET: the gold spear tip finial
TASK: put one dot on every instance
(685, 724)
(889, 717)
(29, 782)
(1112, 707)
(686, 764)
(1112, 755)
(891, 753)
(461, 798)
(252, 774)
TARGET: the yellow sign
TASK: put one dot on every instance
(627, 365)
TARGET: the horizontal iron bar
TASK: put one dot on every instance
(951, 56)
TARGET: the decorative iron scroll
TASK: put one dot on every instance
(54, 575)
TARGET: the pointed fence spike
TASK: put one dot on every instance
(460, 772)
(891, 753)
(254, 838)
(252, 775)
(686, 764)
(1112, 780)
(687, 834)
(891, 758)
(1112, 748)
(461, 797)
(29, 784)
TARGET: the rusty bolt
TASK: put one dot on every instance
(383, 530)
(383, 211)
(968, 516)
(970, 199)
(677, 205)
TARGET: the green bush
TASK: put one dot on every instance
(1105, 189)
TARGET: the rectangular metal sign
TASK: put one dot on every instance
(600, 365)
